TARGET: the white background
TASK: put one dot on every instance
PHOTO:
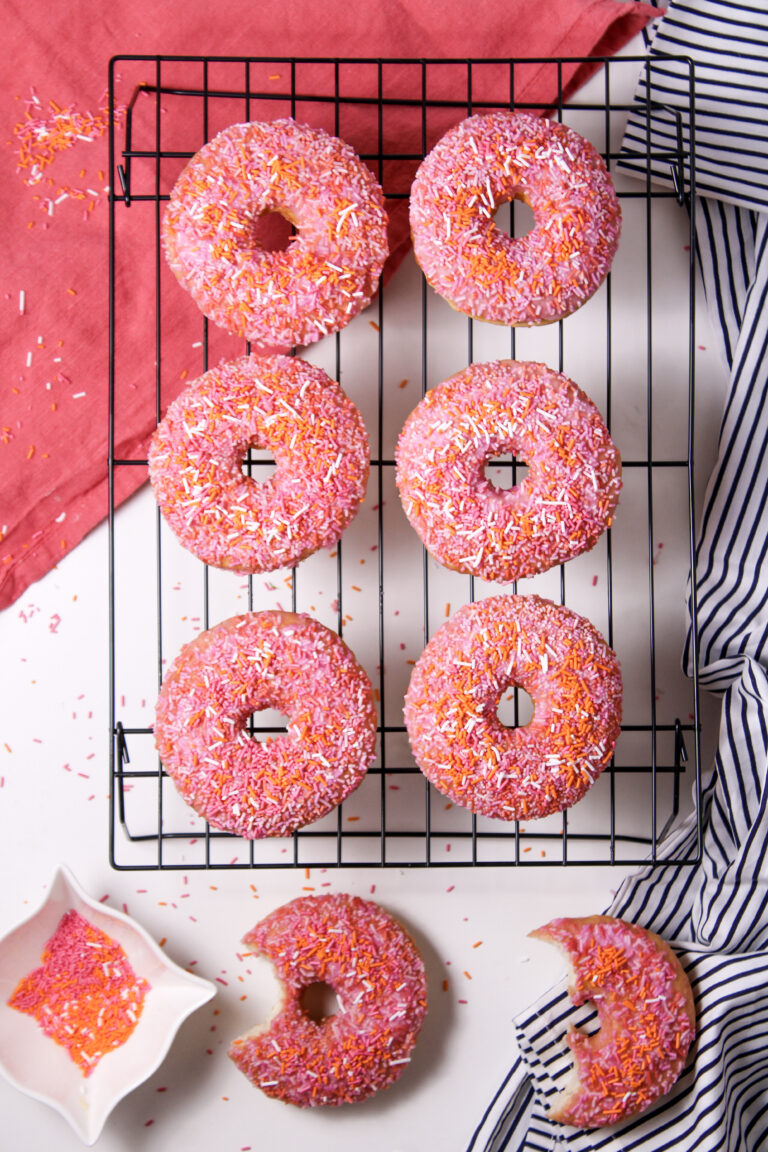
(471, 925)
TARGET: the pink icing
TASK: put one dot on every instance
(320, 447)
(493, 158)
(556, 512)
(378, 975)
(555, 655)
(330, 270)
(265, 660)
(646, 1013)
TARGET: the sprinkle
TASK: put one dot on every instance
(85, 996)
(22, 302)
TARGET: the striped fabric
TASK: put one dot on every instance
(714, 914)
(727, 40)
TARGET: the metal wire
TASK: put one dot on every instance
(146, 829)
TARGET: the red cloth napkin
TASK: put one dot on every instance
(53, 416)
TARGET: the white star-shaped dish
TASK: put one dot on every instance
(37, 1065)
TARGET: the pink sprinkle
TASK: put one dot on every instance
(594, 581)
(450, 888)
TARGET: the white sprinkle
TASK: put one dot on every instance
(29, 359)
(22, 302)
(78, 395)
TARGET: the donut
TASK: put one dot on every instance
(374, 968)
(330, 269)
(558, 510)
(320, 448)
(261, 660)
(646, 1012)
(561, 660)
(495, 157)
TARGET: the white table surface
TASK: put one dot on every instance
(471, 925)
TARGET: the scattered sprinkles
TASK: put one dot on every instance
(488, 160)
(557, 511)
(552, 653)
(331, 268)
(374, 968)
(646, 1012)
(85, 995)
(44, 133)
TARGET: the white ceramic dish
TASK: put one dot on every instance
(41, 1068)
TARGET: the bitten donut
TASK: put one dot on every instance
(320, 448)
(647, 1019)
(375, 970)
(330, 269)
(558, 510)
(496, 157)
(260, 660)
(561, 660)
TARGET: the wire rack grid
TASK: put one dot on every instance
(630, 348)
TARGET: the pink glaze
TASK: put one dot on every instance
(458, 741)
(320, 447)
(247, 663)
(329, 271)
(85, 995)
(497, 157)
(375, 969)
(647, 1019)
(556, 512)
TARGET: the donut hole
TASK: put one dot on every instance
(257, 466)
(273, 232)
(318, 1001)
(504, 473)
(515, 708)
(266, 725)
(514, 217)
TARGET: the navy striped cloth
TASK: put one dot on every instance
(714, 913)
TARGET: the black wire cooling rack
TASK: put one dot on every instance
(630, 347)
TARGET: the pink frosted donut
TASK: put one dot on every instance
(647, 1019)
(320, 447)
(329, 271)
(500, 156)
(376, 971)
(458, 741)
(245, 664)
(556, 512)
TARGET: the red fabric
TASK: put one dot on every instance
(53, 416)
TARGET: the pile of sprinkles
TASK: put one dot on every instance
(493, 158)
(560, 659)
(320, 448)
(646, 1012)
(373, 966)
(85, 995)
(259, 660)
(50, 129)
(329, 271)
(556, 512)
